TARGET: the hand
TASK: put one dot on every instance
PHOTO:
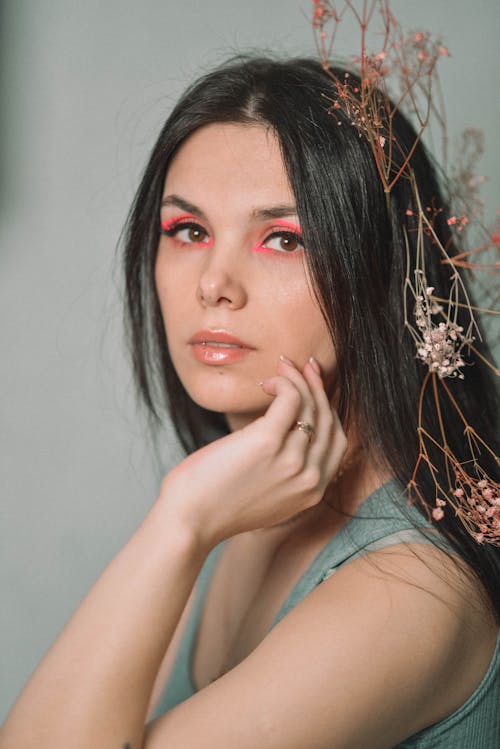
(266, 472)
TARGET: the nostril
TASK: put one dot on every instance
(220, 289)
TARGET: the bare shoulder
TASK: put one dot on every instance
(444, 606)
(438, 600)
(409, 609)
(378, 639)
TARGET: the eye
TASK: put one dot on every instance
(283, 241)
(187, 232)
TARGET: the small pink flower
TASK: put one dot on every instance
(462, 221)
(409, 212)
(458, 493)
(437, 513)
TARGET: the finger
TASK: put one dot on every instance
(336, 449)
(285, 408)
(324, 418)
(307, 413)
(303, 430)
(330, 443)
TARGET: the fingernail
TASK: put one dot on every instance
(314, 364)
(286, 360)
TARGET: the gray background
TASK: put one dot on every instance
(85, 86)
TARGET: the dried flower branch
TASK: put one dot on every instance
(473, 496)
(408, 62)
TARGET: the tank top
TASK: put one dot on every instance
(381, 520)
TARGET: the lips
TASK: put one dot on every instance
(218, 337)
(218, 347)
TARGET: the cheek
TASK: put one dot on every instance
(303, 330)
(170, 284)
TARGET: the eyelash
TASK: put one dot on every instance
(281, 234)
(172, 228)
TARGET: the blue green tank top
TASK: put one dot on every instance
(381, 520)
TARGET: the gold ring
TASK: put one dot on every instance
(306, 427)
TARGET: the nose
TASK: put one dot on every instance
(220, 282)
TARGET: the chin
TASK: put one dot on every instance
(246, 399)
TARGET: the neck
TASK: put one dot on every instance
(340, 502)
(357, 477)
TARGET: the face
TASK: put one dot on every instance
(231, 273)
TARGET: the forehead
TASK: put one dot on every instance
(225, 160)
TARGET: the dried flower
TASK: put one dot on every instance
(479, 506)
(438, 513)
(439, 345)
(459, 221)
(442, 324)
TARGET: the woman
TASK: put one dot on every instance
(264, 269)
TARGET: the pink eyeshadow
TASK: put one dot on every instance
(166, 225)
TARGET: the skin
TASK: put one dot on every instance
(345, 656)
(234, 279)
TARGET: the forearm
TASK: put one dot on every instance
(92, 688)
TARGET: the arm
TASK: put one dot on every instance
(365, 660)
(165, 670)
(93, 687)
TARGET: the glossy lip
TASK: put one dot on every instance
(217, 336)
(205, 349)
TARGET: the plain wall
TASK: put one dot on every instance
(85, 86)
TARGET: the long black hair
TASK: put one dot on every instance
(357, 241)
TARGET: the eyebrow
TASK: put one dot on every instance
(261, 214)
(183, 205)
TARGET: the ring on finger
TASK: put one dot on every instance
(306, 427)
